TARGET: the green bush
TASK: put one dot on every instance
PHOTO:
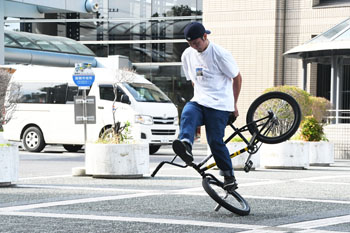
(311, 130)
(319, 107)
(301, 96)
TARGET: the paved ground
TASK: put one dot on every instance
(48, 199)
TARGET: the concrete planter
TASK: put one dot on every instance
(289, 154)
(238, 162)
(321, 153)
(9, 161)
(117, 160)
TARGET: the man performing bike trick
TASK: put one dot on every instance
(217, 83)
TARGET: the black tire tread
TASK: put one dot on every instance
(243, 212)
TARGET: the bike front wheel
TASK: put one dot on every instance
(274, 117)
(231, 201)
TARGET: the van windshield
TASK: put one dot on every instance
(145, 92)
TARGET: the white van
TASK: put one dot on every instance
(45, 110)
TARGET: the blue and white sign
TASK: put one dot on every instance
(83, 75)
(83, 80)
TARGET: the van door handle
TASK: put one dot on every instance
(100, 107)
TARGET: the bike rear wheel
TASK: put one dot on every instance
(231, 201)
(274, 117)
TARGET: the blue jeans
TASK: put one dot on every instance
(194, 115)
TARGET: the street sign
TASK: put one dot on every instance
(90, 117)
(83, 75)
(83, 80)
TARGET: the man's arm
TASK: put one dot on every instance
(237, 83)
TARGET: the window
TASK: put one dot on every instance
(331, 3)
(48, 93)
(106, 93)
(144, 92)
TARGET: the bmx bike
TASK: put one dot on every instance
(272, 118)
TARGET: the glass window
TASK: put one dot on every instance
(107, 93)
(331, 32)
(63, 47)
(71, 92)
(25, 42)
(129, 9)
(10, 42)
(45, 45)
(80, 48)
(43, 93)
(144, 92)
(172, 8)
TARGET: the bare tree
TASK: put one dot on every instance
(119, 132)
(124, 75)
(9, 94)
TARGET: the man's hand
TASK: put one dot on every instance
(231, 118)
(236, 111)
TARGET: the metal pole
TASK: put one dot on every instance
(2, 36)
(337, 101)
(334, 87)
(85, 115)
(304, 75)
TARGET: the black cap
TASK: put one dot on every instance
(194, 30)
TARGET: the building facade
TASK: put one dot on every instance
(258, 33)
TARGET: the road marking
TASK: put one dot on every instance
(196, 191)
(298, 199)
(319, 222)
(62, 187)
(319, 178)
(135, 219)
(75, 201)
(44, 177)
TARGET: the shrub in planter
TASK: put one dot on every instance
(116, 154)
(321, 152)
(319, 107)
(311, 130)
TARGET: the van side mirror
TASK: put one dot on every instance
(125, 99)
(181, 99)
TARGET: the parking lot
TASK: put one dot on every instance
(47, 198)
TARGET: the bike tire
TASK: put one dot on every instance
(232, 202)
(286, 117)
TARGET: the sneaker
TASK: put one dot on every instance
(184, 150)
(230, 183)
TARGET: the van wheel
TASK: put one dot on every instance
(72, 148)
(153, 149)
(33, 140)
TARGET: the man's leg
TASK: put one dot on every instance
(191, 118)
(215, 123)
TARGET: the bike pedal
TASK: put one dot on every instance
(248, 166)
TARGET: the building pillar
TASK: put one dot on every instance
(304, 75)
(334, 88)
(2, 35)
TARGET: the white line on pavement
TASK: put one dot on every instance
(43, 177)
(135, 219)
(75, 201)
(319, 222)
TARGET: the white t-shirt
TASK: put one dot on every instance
(212, 72)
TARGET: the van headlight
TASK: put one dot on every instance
(176, 120)
(143, 119)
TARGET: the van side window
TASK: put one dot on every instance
(106, 93)
(71, 92)
(59, 93)
(48, 93)
(36, 93)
